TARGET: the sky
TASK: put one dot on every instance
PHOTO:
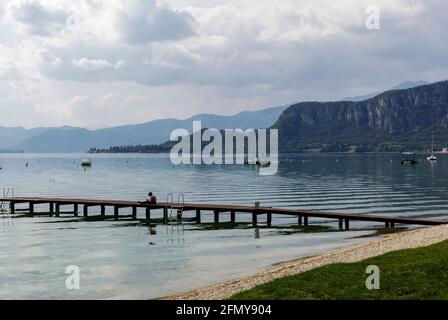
(102, 63)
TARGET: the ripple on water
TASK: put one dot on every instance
(126, 259)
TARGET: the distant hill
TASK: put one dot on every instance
(73, 139)
(394, 120)
(11, 137)
(403, 118)
(401, 86)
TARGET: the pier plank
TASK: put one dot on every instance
(217, 208)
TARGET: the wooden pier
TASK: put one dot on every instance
(55, 206)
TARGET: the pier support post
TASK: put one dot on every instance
(300, 220)
(31, 208)
(198, 216)
(341, 222)
(347, 224)
(103, 210)
(305, 221)
(216, 212)
(165, 214)
(387, 224)
(51, 208)
(254, 218)
(148, 213)
(75, 209)
(269, 219)
(134, 213)
(392, 225)
(116, 212)
(86, 211)
(12, 207)
(232, 216)
(58, 209)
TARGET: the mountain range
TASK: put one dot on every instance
(392, 121)
(73, 139)
(401, 86)
(399, 118)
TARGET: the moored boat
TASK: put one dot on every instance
(432, 157)
(86, 162)
(408, 158)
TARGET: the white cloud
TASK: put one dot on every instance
(96, 64)
(179, 57)
(172, 56)
(143, 21)
(35, 17)
(6, 66)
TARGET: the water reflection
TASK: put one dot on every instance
(134, 259)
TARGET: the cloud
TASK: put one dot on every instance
(96, 64)
(37, 18)
(7, 68)
(175, 58)
(136, 22)
(143, 21)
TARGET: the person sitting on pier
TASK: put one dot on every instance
(151, 199)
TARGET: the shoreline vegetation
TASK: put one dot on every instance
(414, 265)
(333, 148)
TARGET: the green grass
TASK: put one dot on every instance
(409, 274)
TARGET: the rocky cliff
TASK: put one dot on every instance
(396, 119)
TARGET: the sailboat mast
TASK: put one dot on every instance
(432, 157)
(432, 144)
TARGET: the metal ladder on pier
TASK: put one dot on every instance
(174, 217)
(8, 192)
(175, 210)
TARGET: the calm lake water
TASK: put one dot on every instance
(130, 260)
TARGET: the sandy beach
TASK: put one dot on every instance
(405, 240)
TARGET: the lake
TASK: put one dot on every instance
(130, 260)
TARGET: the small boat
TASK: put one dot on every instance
(251, 162)
(408, 158)
(432, 157)
(257, 162)
(264, 163)
(86, 162)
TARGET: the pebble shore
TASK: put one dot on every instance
(405, 240)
